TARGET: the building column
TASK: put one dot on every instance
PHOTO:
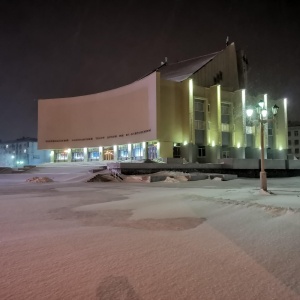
(85, 154)
(69, 151)
(115, 147)
(129, 147)
(52, 156)
(100, 153)
(215, 131)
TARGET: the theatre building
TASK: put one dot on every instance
(193, 110)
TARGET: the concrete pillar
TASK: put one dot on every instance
(101, 154)
(52, 156)
(115, 152)
(85, 154)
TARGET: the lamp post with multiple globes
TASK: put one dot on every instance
(262, 118)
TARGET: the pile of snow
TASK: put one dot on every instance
(137, 178)
(39, 179)
(171, 179)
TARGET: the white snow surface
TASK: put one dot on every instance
(134, 240)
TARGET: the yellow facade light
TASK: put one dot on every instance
(191, 86)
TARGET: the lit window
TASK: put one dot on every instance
(200, 125)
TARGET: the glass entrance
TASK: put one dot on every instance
(108, 153)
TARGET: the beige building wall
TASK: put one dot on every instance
(239, 118)
(120, 116)
(281, 125)
(225, 62)
(215, 132)
(172, 111)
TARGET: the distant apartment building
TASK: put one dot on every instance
(21, 152)
(293, 140)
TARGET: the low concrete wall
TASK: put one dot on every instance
(249, 168)
(275, 164)
(170, 160)
(253, 164)
(162, 166)
(293, 164)
(236, 163)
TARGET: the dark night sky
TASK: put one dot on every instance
(62, 48)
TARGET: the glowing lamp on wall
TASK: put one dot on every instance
(213, 144)
(184, 143)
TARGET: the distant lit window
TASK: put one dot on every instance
(225, 127)
(295, 133)
(200, 125)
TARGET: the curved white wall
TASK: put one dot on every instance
(120, 116)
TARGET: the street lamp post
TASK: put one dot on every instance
(262, 119)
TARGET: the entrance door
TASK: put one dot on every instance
(109, 153)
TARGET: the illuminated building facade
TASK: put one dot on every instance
(193, 110)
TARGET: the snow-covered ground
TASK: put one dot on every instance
(176, 239)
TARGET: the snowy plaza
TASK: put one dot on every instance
(206, 239)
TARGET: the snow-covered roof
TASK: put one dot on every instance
(182, 70)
